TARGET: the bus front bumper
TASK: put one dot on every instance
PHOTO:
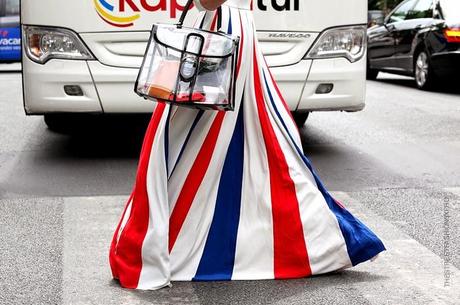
(108, 89)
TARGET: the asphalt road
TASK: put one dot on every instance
(396, 165)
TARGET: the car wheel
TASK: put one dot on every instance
(423, 72)
(300, 118)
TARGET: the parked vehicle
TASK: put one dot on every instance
(375, 17)
(10, 34)
(83, 56)
(419, 38)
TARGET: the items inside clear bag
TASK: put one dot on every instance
(187, 76)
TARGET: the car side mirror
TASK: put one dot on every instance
(389, 26)
(436, 14)
(386, 20)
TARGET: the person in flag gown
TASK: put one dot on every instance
(231, 195)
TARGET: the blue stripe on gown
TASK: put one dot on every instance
(219, 253)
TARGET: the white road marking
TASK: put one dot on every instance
(453, 190)
(411, 273)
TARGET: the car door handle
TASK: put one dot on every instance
(418, 26)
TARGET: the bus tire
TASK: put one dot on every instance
(371, 74)
(59, 122)
(300, 118)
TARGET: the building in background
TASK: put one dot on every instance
(10, 34)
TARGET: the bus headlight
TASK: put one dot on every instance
(44, 43)
(348, 42)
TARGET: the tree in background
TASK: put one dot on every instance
(384, 5)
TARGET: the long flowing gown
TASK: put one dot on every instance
(231, 195)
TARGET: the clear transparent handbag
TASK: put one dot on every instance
(189, 67)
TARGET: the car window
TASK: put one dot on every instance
(401, 12)
(9, 8)
(423, 9)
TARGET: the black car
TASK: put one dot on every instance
(419, 38)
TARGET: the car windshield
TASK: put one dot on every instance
(451, 10)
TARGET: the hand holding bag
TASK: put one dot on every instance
(189, 67)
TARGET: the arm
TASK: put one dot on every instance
(208, 5)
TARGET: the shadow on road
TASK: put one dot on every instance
(445, 86)
(99, 156)
(103, 136)
(403, 82)
(318, 289)
(96, 156)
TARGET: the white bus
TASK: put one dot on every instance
(83, 56)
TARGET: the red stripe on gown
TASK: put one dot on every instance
(128, 251)
(193, 180)
(240, 51)
(196, 174)
(290, 251)
(214, 21)
(113, 245)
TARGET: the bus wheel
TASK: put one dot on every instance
(300, 118)
(59, 122)
(371, 74)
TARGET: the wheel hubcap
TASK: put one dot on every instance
(421, 69)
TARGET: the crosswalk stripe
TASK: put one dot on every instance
(406, 269)
(453, 190)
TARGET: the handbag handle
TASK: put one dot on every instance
(184, 13)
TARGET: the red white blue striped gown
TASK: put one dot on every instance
(230, 195)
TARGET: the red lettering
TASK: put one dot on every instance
(131, 5)
(148, 6)
(176, 7)
(151, 8)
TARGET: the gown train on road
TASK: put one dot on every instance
(231, 195)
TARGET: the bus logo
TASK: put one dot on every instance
(127, 11)
(107, 12)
